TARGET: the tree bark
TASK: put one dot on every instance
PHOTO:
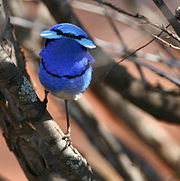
(37, 144)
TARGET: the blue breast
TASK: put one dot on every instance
(65, 66)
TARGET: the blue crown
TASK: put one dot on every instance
(68, 30)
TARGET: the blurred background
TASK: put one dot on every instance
(127, 124)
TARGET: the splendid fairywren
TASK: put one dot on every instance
(65, 68)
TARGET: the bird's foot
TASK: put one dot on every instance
(43, 108)
(44, 105)
(67, 138)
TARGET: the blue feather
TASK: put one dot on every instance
(70, 31)
(67, 55)
(69, 86)
(50, 34)
(66, 65)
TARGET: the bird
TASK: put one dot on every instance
(66, 65)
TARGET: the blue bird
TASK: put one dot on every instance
(65, 68)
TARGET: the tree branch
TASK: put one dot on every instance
(37, 144)
(168, 15)
(109, 146)
(144, 125)
(157, 102)
(2, 178)
(173, 23)
(137, 15)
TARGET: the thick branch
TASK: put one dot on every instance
(109, 146)
(157, 102)
(38, 145)
(2, 178)
(144, 124)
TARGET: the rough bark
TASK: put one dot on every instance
(37, 144)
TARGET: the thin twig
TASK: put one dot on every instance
(173, 79)
(167, 44)
(125, 47)
(137, 15)
(165, 30)
(124, 19)
(130, 54)
(157, 71)
(168, 15)
(141, 73)
(110, 20)
(154, 69)
(140, 17)
(173, 64)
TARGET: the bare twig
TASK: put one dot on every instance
(131, 54)
(148, 56)
(167, 44)
(170, 33)
(157, 71)
(137, 15)
(172, 64)
(126, 20)
(149, 66)
(125, 48)
(142, 17)
(168, 14)
(109, 18)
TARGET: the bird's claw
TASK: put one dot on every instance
(67, 138)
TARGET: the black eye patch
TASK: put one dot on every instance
(47, 41)
(70, 35)
(84, 48)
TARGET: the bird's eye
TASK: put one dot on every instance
(47, 41)
(84, 48)
(59, 32)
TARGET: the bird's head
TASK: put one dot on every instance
(69, 31)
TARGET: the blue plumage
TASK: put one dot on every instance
(68, 30)
(65, 68)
